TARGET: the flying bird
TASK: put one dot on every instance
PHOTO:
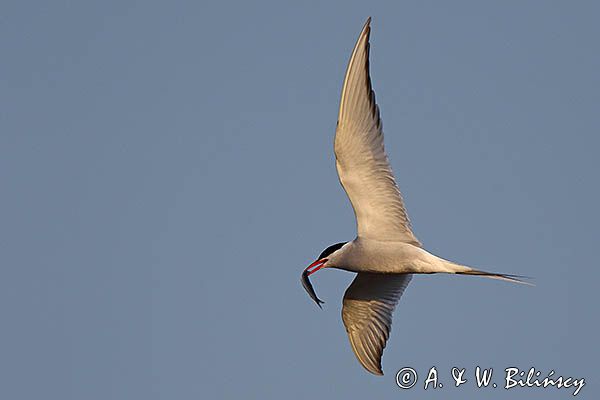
(385, 252)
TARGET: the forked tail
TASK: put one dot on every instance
(455, 268)
(437, 264)
(502, 277)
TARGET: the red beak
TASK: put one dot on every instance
(317, 265)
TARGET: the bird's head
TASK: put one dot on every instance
(322, 261)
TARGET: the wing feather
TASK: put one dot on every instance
(367, 311)
(361, 162)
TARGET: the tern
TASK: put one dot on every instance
(385, 252)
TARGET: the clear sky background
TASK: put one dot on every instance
(167, 171)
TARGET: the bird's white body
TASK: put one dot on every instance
(389, 257)
(385, 252)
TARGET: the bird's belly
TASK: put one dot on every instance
(384, 267)
(386, 257)
(381, 268)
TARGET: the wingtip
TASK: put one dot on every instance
(367, 26)
(373, 369)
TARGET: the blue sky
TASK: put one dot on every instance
(167, 171)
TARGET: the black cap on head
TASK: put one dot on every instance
(331, 249)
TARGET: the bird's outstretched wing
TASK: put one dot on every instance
(367, 311)
(361, 162)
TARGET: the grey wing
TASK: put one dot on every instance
(367, 311)
(361, 161)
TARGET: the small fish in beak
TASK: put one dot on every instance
(309, 289)
(306, 282)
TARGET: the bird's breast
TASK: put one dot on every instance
(381, 257)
